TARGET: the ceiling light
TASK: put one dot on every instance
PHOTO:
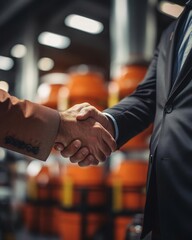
(54, 40)
(6, 63)
(18, 51)
(4, 86)
(55, 78)
(43, 92)
(34, 168)
(171, 9)
(84, 24)
(45, 64)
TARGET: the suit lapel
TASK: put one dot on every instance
(183, 78)
(169, 64)
(170, 54)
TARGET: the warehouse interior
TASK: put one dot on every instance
(59, 53)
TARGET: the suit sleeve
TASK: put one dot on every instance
(134, 113)
(27, 128)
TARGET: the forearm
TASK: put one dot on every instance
(132, 120)
(26, 127)
(134, 113)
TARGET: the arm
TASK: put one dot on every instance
(132, 114)
(26, 127)
(33, 129)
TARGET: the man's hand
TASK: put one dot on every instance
(76, 153)
(90, 111)
(91, 133)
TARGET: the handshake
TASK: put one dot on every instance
(85, 135)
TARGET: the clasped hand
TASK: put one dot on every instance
(85, 135)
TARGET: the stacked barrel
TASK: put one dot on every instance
(82, 211)
(127, 180)
(43, 195)
(77, 203)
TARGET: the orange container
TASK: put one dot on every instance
(132, 173)
(89, 179)
(128, 185)
(39, 219)
(87, 86)
(55, 188)
(70, 225)
(129, 79)
(48, 94)
(29, 221)
(120, 225)
(139, 142)
(43, 195)
(123, 86)
(43, 184)
(134, 200)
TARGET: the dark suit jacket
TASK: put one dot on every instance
(170, 108)
(26, 127)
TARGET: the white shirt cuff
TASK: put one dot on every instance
(115, 125)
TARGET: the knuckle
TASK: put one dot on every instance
(107, 152)
(73, 159)
(65, 154)
(86, 104)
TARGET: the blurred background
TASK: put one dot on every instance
(59, 53)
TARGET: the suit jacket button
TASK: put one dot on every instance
(168, 108)
(29, 147)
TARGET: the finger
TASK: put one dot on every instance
(80, 106)
(95, 162)
(86, 112)
(100, 155)
(109, 141)
(105, 149)
(58, 146)
(71, 149)
(87, 161)
(80, 155)
(104, 145)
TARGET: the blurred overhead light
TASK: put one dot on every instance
(4, 86)
(18, 51)
(43, 92)
(84, 24)
(45, 64)
(6, 63)
(54, 40)
(34, 168)
(55, 78)
(171, 9)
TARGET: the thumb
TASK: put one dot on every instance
(58, 146)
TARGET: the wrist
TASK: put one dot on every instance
(62, 129)
(110, 127)
(58, 136)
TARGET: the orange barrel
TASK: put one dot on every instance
(75, 179)
(83, 202)
(38, 218)
(87, 85)
(128, 185)
(120, 225)
(48, 90)
(48, 95)
(41, 201)
(70, 225)
(29, 212)
(43, 183)
(55, 189)
(123, 86)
